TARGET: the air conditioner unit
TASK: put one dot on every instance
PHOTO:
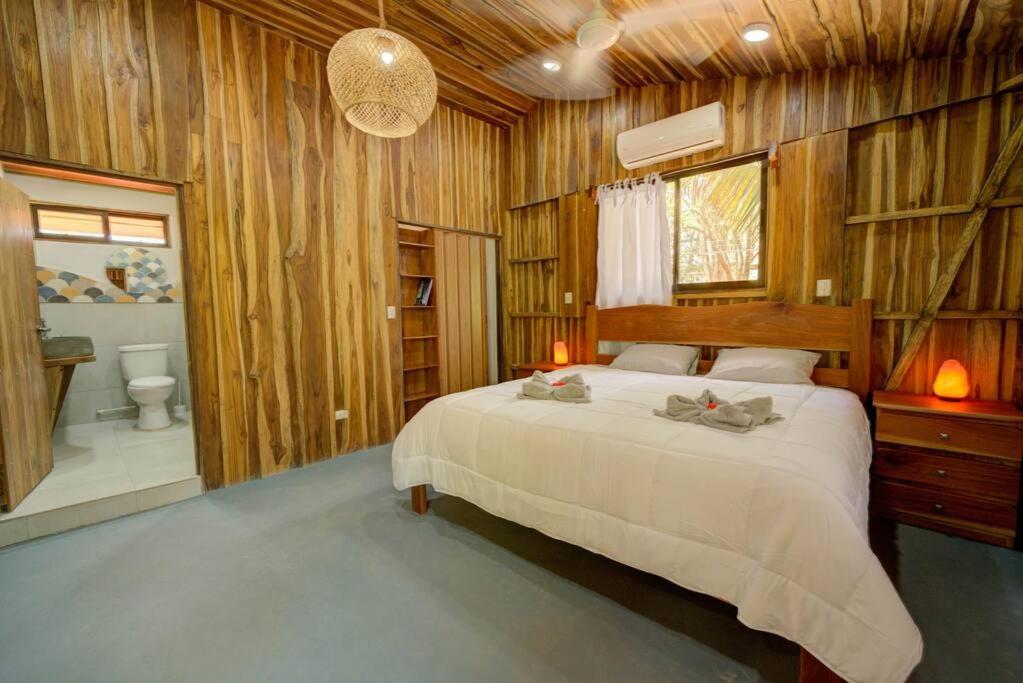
(677, 136)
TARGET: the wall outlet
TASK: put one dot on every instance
(392, 312)
(823, 287)
(340, 415)
(568, 297)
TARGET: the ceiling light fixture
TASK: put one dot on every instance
(552, 65)
(382, 82)
(756, 33)
(600, 31)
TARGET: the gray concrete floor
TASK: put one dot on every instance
(324, 574)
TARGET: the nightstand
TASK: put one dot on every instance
(951, 466)
(525, 370)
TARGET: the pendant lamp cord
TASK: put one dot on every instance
(383, 22)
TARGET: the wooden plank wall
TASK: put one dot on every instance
(562, 147)
(936, 162)
(302, 215)
(290, 213)
(842, 158)
(531, 282)
(95, 83)
(462, 307)
(549, 248)
(806, 199)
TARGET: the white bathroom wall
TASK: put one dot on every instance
(99, 385)
(90, 259)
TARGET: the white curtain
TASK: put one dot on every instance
(633, 244)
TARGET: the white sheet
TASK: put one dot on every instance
(773, 521)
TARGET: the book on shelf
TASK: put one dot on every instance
(423, 291)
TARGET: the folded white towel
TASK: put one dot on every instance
(570, 389)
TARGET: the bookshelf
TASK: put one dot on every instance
(420, 331)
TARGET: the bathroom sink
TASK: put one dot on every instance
(67, 347)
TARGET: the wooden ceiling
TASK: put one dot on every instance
(487, 52)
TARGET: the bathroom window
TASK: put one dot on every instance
(80, 224)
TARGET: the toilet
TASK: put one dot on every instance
(145, 368)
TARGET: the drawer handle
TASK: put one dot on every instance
(943, 436)
(941, 473)
(938, 507)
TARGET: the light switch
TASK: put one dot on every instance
(823, 287)
(341, 414)
(568, 297)
(392, 312)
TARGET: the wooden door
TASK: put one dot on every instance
(461, 265)
(26, 451)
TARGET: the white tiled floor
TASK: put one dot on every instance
(104, 470)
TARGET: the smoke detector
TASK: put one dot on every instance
(600, 31)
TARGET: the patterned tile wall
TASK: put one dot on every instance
(145, 279)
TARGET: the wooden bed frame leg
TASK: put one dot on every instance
(420, 503)
(811, 670)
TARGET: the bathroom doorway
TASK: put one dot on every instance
(109, 285)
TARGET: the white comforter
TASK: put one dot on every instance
(773, 521)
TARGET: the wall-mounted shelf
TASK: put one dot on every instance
(420, 331)
(427, 366)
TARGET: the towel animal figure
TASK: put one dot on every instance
(711, 411)
(570, 389)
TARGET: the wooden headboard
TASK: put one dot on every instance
(759, 323)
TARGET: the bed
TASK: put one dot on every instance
(773, 521)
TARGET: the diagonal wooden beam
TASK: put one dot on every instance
(936, 297)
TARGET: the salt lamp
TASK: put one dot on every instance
(952, 382)
(560, 353)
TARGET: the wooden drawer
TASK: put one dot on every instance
(950, 434)
(983, 479)
(938, 504)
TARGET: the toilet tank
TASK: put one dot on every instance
(143, 360)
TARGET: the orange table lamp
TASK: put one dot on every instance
(952, 382)
(560, 353)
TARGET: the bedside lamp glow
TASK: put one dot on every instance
(560, 353)
(952, 382)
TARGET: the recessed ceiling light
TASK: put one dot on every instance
(552, 65)
(756, 33)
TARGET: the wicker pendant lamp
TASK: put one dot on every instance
(383, 83)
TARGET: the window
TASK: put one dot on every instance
(76, 224)
(718, 224)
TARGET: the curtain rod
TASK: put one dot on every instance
(772, 158)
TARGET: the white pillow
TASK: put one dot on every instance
(666, 359)
(771, 366)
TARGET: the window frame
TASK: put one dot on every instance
(105, 214)
(722, 285)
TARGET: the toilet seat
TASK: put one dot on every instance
(157, 382)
